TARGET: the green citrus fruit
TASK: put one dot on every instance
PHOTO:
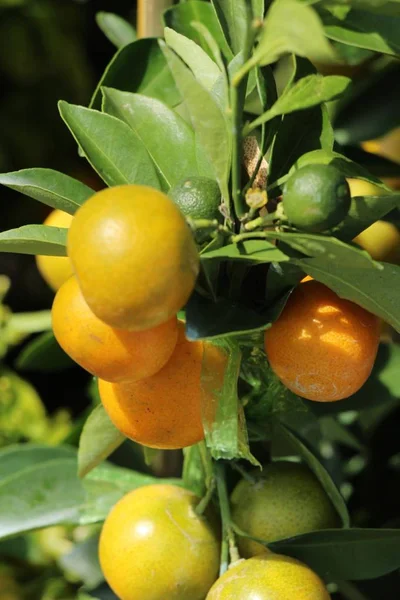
(316, 198)
(198, 198)
(269, 576)
(286, 500)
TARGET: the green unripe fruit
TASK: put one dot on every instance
(286, 500)
(316, 198)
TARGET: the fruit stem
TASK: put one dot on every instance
(260, 221)
(229, 551)
(245, 474)
(206, 499)
(196, 224)
(235, 239)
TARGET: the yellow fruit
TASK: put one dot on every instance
(382, 241)
(55, 269)
(134, 256)
(269, 577)
(153, 546)
(112, 354)
(165, 410)
(322, 347)
(286, 500)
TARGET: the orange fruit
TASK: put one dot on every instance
(134, 256)
(112, 354)
(166, 409)
(322, 347)
(153, 546)
(269, 577)
(55, 269)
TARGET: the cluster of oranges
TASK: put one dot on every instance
(134, 264)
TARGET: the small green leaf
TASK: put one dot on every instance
(251, 251)
(305, 93)
(43, 354)
(208, 121)
(166, 136)
(150, 77)
(99, 438)
(182, 16)
(318, 469)
(203, 67)
(116, 29)
(111, 147)
(50, 187)
(345, 553)
(35, 239)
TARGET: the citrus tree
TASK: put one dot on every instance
(219, 293)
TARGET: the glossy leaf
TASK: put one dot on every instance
(203, 67)
(49, 187)
(233, 16)
(318, 469)
(98, 440)
(307, 92)
(111, 147)
(208, 121)
(347, 553)
(116, 29)
(43, 354)
(167, 138)
(251, 251)
(182, 16)
(150, 77)
(35, 239)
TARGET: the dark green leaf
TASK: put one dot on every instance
(182, 16)
(50, 187)
(116, 29)
(150, 77)
(43, 354)
(318, 469)
(375, 164)
(305, 93)
(251, 251)
(346, 553)
(166, 136)
(35, 239)
(111, 147)
(99, 438)
(207, 119)
(382, 7)
(233, 16)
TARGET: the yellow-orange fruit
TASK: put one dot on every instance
(165, 410)
(112, 354)
(55, 269)
(269, 577)
(322, 347)
(134, 256)
(153, 546)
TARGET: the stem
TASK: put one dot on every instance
(235, 239)
(228, 545)
(245, 474)
(206, 499)
(260, 221)
(202, 223)
(149, 17)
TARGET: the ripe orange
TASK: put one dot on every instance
(134, 256)
(269, 577)
(112, 354)
(153, 546)
(165, 410)
(322, 347)
(55, 269)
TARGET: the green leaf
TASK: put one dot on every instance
(377, 32)
(111, 147)
(182, 16)
(50, 187)
(251, 251)
(35, 239)
(207, 119)
(193, 473)
(376, 290)
(318, 469)
(43, 354)
(22, 456)
(233, 16)
(150, 77)
(291, 27)
(307, 92)
(347, 553)
(203, 67)
(116, 29)
(99, 438)
(166, 136)
(383, 7)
